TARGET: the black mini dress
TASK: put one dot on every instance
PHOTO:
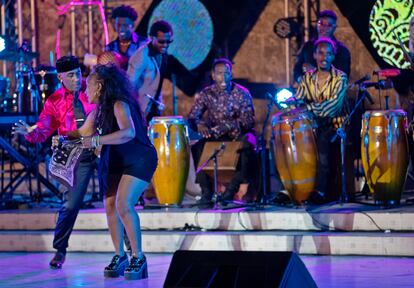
(136, 157)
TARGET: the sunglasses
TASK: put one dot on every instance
(162, 41)
(326, 25)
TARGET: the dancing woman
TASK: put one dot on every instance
(128, 161)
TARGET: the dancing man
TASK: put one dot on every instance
(128, 162)
(323, 90)
(65, 110)
(148, 67)
(230, 112)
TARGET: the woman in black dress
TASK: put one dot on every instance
(128, 161)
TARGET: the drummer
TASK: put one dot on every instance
(323, 90)
(230, 116)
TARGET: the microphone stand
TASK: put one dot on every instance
(261, 148)
(174, 94)
(340, 132)
(216, 196)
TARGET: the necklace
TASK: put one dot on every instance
(320, 88)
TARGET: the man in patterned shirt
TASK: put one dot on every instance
(323, 90)
(230, 116)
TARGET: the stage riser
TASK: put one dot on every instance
(310, 243)
(96, 220)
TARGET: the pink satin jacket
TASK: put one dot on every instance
(58, 115)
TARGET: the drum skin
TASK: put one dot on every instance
(295, 154)
(169, 136)
(384, 153)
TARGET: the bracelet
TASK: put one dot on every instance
(95, 141)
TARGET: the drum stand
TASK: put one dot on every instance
(261, 148)
(340, 132)
(30, 169)
(264, 161)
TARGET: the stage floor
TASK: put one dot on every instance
(86, 270)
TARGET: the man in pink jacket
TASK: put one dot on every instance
(64, 111)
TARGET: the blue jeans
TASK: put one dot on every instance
(73, 199)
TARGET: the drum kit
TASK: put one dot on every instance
(31, 86)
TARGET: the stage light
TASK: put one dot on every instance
(193, 30)
(286, 27)
(2, 44)
(282, 95)
(7, 45)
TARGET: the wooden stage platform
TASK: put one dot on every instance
(332, 229)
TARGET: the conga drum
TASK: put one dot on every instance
(384, 153)
(170, 138)
(295, 154)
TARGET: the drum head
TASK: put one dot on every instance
(290, 117)
(384, 113)
(168, 120)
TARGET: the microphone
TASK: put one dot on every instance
(212, 156)
(387, 72)
(160, 105)
(217, 151)
(369, 97)
(363, 79)
(222, 146)
(382, 84)
(293, 102)
(272, 98)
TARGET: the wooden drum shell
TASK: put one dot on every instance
(295, 154)
(384, 153)
(170, 138)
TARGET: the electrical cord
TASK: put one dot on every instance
(323, 226)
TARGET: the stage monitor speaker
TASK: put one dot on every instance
(237, 269)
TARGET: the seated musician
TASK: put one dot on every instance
(230, 116)
(323, 90)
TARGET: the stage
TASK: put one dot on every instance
(341, 245)
(331, 229)
(86, 270)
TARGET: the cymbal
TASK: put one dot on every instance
(18, 56)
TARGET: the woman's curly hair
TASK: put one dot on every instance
(116, 86)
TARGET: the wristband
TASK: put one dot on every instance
(95, 141)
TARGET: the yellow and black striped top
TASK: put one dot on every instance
(327, 101)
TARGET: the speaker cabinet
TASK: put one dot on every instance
(237, 269)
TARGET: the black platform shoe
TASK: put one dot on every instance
(57, 261)
(137, 269)
(117, 266)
